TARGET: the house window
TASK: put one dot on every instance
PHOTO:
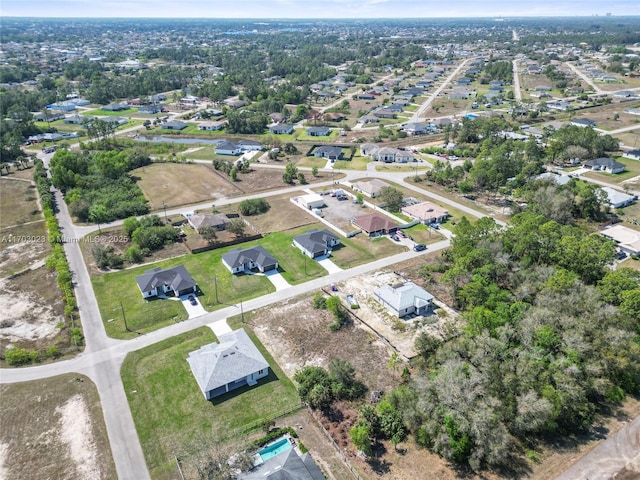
(260, 372)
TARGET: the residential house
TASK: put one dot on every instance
(49, 116)
(318, 131)
(374, 224)
(281, 129)
(583, 122)
(199, 221)
(633, 154)
(626, 238)
(174, 125)
(334, 117)
(235, 103)
(250, 145)
(227, 148)
(116, 121)
(157, 281)
(288, 465)
(239, 260)
(368, 119)
(604, 164)
(150, 109)
(413, 128)
(405, 299)
(618, 199)
(65, 106)
(426, 212)
(315, 243)
(384, 113)
(212, 126)
(386, 154)
(115, 107)
(370, 187)
(223, 366)
(366, 96)
(78, 119)
(329, 152)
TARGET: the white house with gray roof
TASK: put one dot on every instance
(231, 363)
(316, 243)
(288, 465)
(405, 299)
(157, 281)
(238, 260)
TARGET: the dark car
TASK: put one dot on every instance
(419, 247)
(395, 238)
(193, 300)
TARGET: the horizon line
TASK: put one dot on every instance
(50, 17)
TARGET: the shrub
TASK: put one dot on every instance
(19, 356)
(253, 206)
(319, 302)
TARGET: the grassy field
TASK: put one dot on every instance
(303, 136)
(98, 112)
(170, 411)
(311, 162)
(632, 170)
(362, 249)
(356, 163)
(147, 315)
(32, 423)
(17, 202)
(181, 184)
(401, 167)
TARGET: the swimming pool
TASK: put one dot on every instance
(275, 449)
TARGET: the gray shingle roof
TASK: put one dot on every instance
(177, 277)
(233, 358)
(404, 296)
(315, 241)
(257, 254)
(286, 466)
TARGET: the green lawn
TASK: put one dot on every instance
(170, 411)
(147, 315)
(356, 163)
(106, 113)
(361, 249)
(291, 261)
(303, 136)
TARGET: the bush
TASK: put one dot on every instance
(319, 302)
(19, 356)
(253, 206)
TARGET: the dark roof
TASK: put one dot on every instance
(281, 128)
(328, 151)
(318, 130)
(635, 152)
(583, 121)
(175, 124)
(374, 223)
(177, 277)
(257, 254)
(315, 241)
(286, 466)
(604, 162)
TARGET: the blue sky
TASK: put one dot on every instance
(314, 8)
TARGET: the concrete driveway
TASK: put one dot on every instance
(326, 263)
(277, 280)
(220, 327)
(192, 310)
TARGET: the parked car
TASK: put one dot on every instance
(435, 226)
(193, 300)
(419, 247)
(395, 238)
(401, 234)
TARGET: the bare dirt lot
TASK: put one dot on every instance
(62, 436)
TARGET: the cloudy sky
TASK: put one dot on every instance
(314, 8)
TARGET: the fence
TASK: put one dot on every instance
(341, 455)
(258, 423)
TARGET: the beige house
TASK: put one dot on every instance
(426, 212)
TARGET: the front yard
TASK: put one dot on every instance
(171, 414)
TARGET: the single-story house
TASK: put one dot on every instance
(239, 260)
(633, 154)
(626, 238)
(174, 125)
(370, 187)
(150, 109)
(64, 106)
(384, 113)
(334, 117)
(374, 224)
(368, 119)
(281, 129)
(366, 96)
(559, 179)
(115, 107)
(233, 362)
(228, 148)
(318, 131)
(405, 299)
(250, 145)
(117, 121)
(205, 220)
(618, 199)
(426, 212)
(329, 152)
(311, 201)
(212, 126)
(315, 243)
(78, 119)
(604, 164)
(48, 116)
(583, 122)
(413, 128)
(287, 465)
(157, 281)
(235, 103)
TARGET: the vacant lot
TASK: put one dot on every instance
(170, 412)
(53, 428)
(18, 202)
(182, 184)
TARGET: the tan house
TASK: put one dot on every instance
(426, 212)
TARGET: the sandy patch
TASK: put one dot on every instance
(23, 318)
(77, 434)
(4, 449)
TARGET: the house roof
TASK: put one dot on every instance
(179, 124)
(329, 151)
(425, 210)
(583, 121)
(237, 257)
(315, 241)
(404, 296)
(624, 236)
(633, 153)
(226, 145)
(319, 130)
(373, 222)
(604, 162)
(372, 186)
(177, 277)
(286, 466)
(234, 357)
(617, 198)
(202, 220)
(554, 177)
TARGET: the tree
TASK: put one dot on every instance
(314, 171)
(290, 173)
(301, 178)
(391, 198)
(254, 206)
(236, 226)
(209, 234)
(233, 174)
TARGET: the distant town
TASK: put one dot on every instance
(320, 249)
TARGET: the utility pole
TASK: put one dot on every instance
(164, 205)
(124, 317)
(215, 280)
(241, 311)
(305, 264)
